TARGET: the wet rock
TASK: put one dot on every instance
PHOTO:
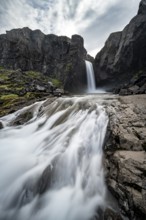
(45, 180)
(22, 118)
(1, 125)
(107, 214)
(110, 214)
(40, 88)
(58, 92)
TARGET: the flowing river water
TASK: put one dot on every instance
(51, 166)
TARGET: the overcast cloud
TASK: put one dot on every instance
(93, 19)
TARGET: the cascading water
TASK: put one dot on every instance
(91, 86)
(51, 167)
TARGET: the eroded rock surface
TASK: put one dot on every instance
(126, 154)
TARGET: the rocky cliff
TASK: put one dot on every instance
(58, 57)
(124, 53)
(125, 154)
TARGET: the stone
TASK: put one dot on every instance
(134, 89)
(1, 125)
(110, 214)
(58, 92)
(22, 118)
(40, 88)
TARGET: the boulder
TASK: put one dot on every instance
(1, 125)
(22, 118)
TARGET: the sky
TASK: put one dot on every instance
(94, 20)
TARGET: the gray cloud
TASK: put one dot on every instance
(94, 19)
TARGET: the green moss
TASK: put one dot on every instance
(33, 74)
(8, 97)
(137, 74)
(28, 95)
(56, 82)
(19, 88)
(68, 67)
(1, 67)
(3, 86)
(3, 76)
(32, 95)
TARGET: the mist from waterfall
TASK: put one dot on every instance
(51, 167)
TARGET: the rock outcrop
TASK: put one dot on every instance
(61, 58)
(124, 53)
(137, 85)
(125, 153)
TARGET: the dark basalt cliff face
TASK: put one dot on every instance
(124, 53)
(58, 57)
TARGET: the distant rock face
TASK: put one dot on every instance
(142, 7)
(124, 52)
(57, 57)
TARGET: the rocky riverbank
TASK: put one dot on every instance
(125, 154)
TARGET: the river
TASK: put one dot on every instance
(51, 166)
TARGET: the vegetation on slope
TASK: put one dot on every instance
(19, 88)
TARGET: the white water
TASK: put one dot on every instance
(91, 86)
(51, 167)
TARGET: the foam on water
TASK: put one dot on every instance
(51, 167)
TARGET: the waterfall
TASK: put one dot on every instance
(91, 86)
(51, 166)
